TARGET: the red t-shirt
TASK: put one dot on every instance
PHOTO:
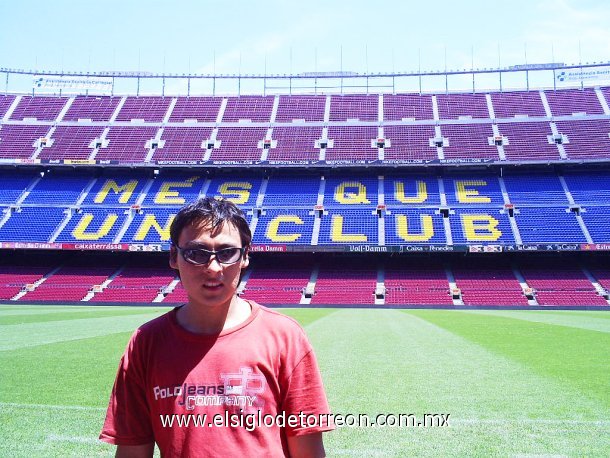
(264, 366)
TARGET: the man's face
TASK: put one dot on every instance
(212, 284)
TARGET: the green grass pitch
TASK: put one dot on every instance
(515, 383)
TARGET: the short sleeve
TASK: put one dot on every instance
(305, 396)
(128, 415)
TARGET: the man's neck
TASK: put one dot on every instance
(200, 319)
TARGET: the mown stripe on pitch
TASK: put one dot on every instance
(306, 316)
(387, 361)
(33, 334)
(44, 309)
(18, 405)
(574, 356)
(591, 323)
(67, 314)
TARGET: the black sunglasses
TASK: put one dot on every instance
(201, 256)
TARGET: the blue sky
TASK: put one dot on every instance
(282, 36)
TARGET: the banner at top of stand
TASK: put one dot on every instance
(577, 75)
(45, 83)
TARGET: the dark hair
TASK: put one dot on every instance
(213, 213)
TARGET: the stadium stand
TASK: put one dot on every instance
(127, 144)
(5, 103)
(242, 190)
(69, 283)
(183, 144)
(527, 188)
(292, 226)
(473, 207)
(136, 282)
(301, 191)
(587, 139)
(469, 140)
(13, 185)
(519, 129)
(518, 104)
(100, 225)
(569, 102)
(58, 189)
(301, 107)
(591, 187)
(32, 224)
(420, 281)
(488, 283)
(294, 143)
(146, 109)
(596, 221)
(253, 108)
(239, 143)
(462, 106)
(358, 107)
(199, 109)
(398, 107)
(14, 278)
(528, 141)
(21, 141)
(410, 142)
(561, 286)
(116, 189)
(177, 296)
(38, 108)
(72, 142)
(280, 282)
(352, 143)
(109, 172)
(93, 108)
(549, 225)
(336, 274)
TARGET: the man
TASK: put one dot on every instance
(217, 362)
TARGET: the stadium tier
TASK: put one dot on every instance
(5, 103)
(13, 279)
(308, 279)
(457, 209)
(300, 108)
(19, 142)
(352, 199)
(38, 108)
(92, 108)
(498, 127)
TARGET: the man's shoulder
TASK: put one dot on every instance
(156, 325)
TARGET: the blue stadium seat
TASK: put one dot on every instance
(288, 226)
(411, 226)
(475, 226)
(174, 190)
(589, 187)
(150, 226)
(116, 190)
(597, 220)
(535, 189)
(411, 191)
(13, 185)
(95, 225)
(32, 224)
(548, 225)
(295, 191)
(351, 192)
(58, 190)
(473, 190)
(349, 226)
(243, 191)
